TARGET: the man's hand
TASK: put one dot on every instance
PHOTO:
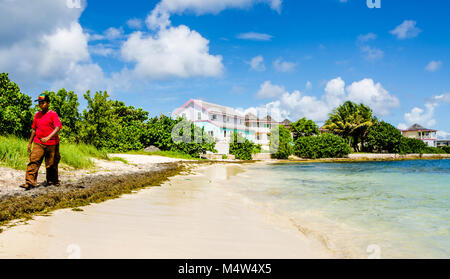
(29, 148)
(44, 140)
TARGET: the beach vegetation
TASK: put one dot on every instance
(280, 142)
(351, 121)
(323, 146)
(108, 125)
(433, 150)
(16, 113)
(13, 154)
(383, 137)
(411, 146)
(446, 149)
(304, 128)
(241, 147)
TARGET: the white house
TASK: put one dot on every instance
(429, 136)
(221, 121)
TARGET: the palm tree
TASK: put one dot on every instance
(351, 122)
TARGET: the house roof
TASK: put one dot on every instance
(417, 127)
(286, 122)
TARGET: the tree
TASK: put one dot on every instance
(97, 119)
(304, 128)
(411, 145)
(323, 146)
(16, 113)
(351, 122)
(280, 142)
(241, 147)
(383, 136)
(65, 104)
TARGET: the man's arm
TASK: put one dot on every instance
(33, 134)
(44, 140)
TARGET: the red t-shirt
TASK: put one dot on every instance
(45, 124)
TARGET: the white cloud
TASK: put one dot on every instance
(268, 90)
(34, 48)
(443, 135)
(335, 92)
(284, 66)
(442, 98)
(425, 116)
(421, 116)
(308, 85)
(372, 53)
(433, 66)
(257, 63)
(297, 104)
(406, 30)
(373, 95)
(160, 15)
(254, 36)
(367, 37)
(101, 50)
(175, 51)
(135, 23)
(213, 6)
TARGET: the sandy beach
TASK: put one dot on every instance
(191, 216)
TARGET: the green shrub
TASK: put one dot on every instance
(304, 128)
(13, 153)
(16, 114)
(280, 142)
(323, 146)
(383, 136)
(241, 147)
(411, 145)
(446, 149)
(433, 150)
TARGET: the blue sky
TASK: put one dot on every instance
(289, 58)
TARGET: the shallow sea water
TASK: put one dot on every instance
(396, 209)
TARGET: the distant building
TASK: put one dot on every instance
(286, 123)
(221, 122)
(418, 132)
(441, 143)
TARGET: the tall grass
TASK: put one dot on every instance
(13, 154)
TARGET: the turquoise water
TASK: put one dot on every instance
(401, 207)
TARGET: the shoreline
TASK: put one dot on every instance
(189, 216)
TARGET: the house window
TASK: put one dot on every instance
(257, 137)
(224, 133)
(199, 115)
(214, 117)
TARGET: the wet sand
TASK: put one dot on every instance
(194, 216)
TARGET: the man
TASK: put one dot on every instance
(46, 125)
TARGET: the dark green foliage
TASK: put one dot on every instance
(241, 147)
(65, 104)
(177, 135)
(411, 145)
(433, 150)
(383, 136)
(446, 149)
(16, 114)
(111, 125)
(280, 142)
(351, 121)
(323, 146)
(304, 128)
